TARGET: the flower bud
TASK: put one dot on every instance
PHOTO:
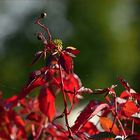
(43, 15)
(39, 37)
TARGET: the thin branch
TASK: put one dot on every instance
(65, 102)
(45, 28)
(133, 127)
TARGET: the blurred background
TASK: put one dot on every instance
(106, 32)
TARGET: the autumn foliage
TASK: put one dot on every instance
(27, 117)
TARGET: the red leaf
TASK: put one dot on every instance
(66, 62)
(134, 137)
(56, 132)
(33, 84)
(90, 110)
(19, 121)
(10, 100)
(47, 102)
(106, 124)
(137, 97)
(89, 128)
(72, 83)
(109, 90)
(4, 135)
(34, 117)
(37, 82)
(129, 108)
(72, 50)
(125, 94)
(124, 83)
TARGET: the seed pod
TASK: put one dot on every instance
(43, 15)
(39, 37)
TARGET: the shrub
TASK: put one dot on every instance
(26, 117)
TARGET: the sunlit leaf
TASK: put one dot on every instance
(108, 126)
(129, 108)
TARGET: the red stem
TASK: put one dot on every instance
(133, 124)
(114, 121)
(39, 133)
(45, 28)
(65, 102)
(72, 106)
(33, 130)
(118, 119)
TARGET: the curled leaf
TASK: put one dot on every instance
(85, 90)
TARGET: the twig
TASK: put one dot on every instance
(65, 102)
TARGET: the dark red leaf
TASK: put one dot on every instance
(101, 91)
(51, 60)
(66, 62)
(103, 136)
(105, 90)
(85, 90)
(57, 132)
(90, 110)
(36, 83)
(124, 83)
(4, 135)
(72, 50)
(133, 137)
(47, 102)
(50, 74)
(34, 117)
(136, 96)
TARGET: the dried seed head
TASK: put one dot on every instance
(43, 15)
